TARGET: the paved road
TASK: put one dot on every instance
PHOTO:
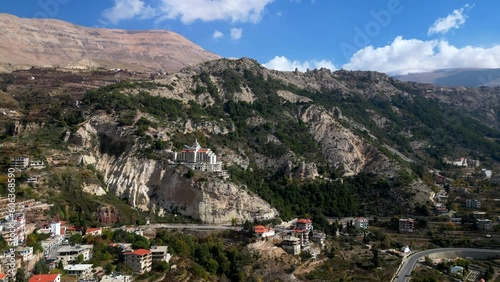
(188, 226)
(408, 263)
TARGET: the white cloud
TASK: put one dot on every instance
(413, 55)
(282, 63)
(453, 20)
(210, 10)
(217, 34)
(236, 33)
(128, 9)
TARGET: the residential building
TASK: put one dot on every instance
(25, 252)
(52, 244)
(198, 158)
(291, 245)
(460, 162)
(361, 223)
(263, 232)
(440, 208)
(160, 253)
(304, 224)
(139, 260)
(45, 278)
(319, 238)
(479, 215)
(302, 235)
(14, 225)
(69, 254)
(93, 231)
(4, 277)
(116, 278)
(20, 162)
(473, 203)
(79, 270)
(37, 164)
(406, 225)
(484, 224)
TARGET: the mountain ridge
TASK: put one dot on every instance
(47, 42)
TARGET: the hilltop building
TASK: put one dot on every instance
(198, 158)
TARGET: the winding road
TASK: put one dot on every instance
(408, 263)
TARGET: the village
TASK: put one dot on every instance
(66, 250)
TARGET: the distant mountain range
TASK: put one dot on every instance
(468, 77)
(46, 42)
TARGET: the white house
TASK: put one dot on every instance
(69, 254)
(80, 270)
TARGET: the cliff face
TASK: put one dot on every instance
(44, 42)
(159, 187)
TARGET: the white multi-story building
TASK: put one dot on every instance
(198, 158)
(160, 253)
(473, 203)
(69, 254)
(20, 162)
(139, 260)
(406, 225)
(14, 229)
(79, 270)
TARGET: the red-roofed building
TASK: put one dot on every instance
(93, 231)
(3, 277)
(45, 278)
(139, 260)
(304, 223)
(263, 232)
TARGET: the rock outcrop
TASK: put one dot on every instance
(160, 187)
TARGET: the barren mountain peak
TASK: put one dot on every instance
(49, 42)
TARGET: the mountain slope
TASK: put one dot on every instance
(320, 143)
(456, 77)
(47, 42)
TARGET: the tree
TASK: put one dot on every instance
(21, 275)
(76, 239)
(375, 259)
(40, 267)
(428, 261)
(79, 258)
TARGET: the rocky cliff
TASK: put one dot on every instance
(160, 186)
(47, 42)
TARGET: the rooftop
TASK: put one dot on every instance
(139, 252)
(44, 277)
(78, 267)
(304, 220)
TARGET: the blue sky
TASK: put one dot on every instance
(393, 36)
